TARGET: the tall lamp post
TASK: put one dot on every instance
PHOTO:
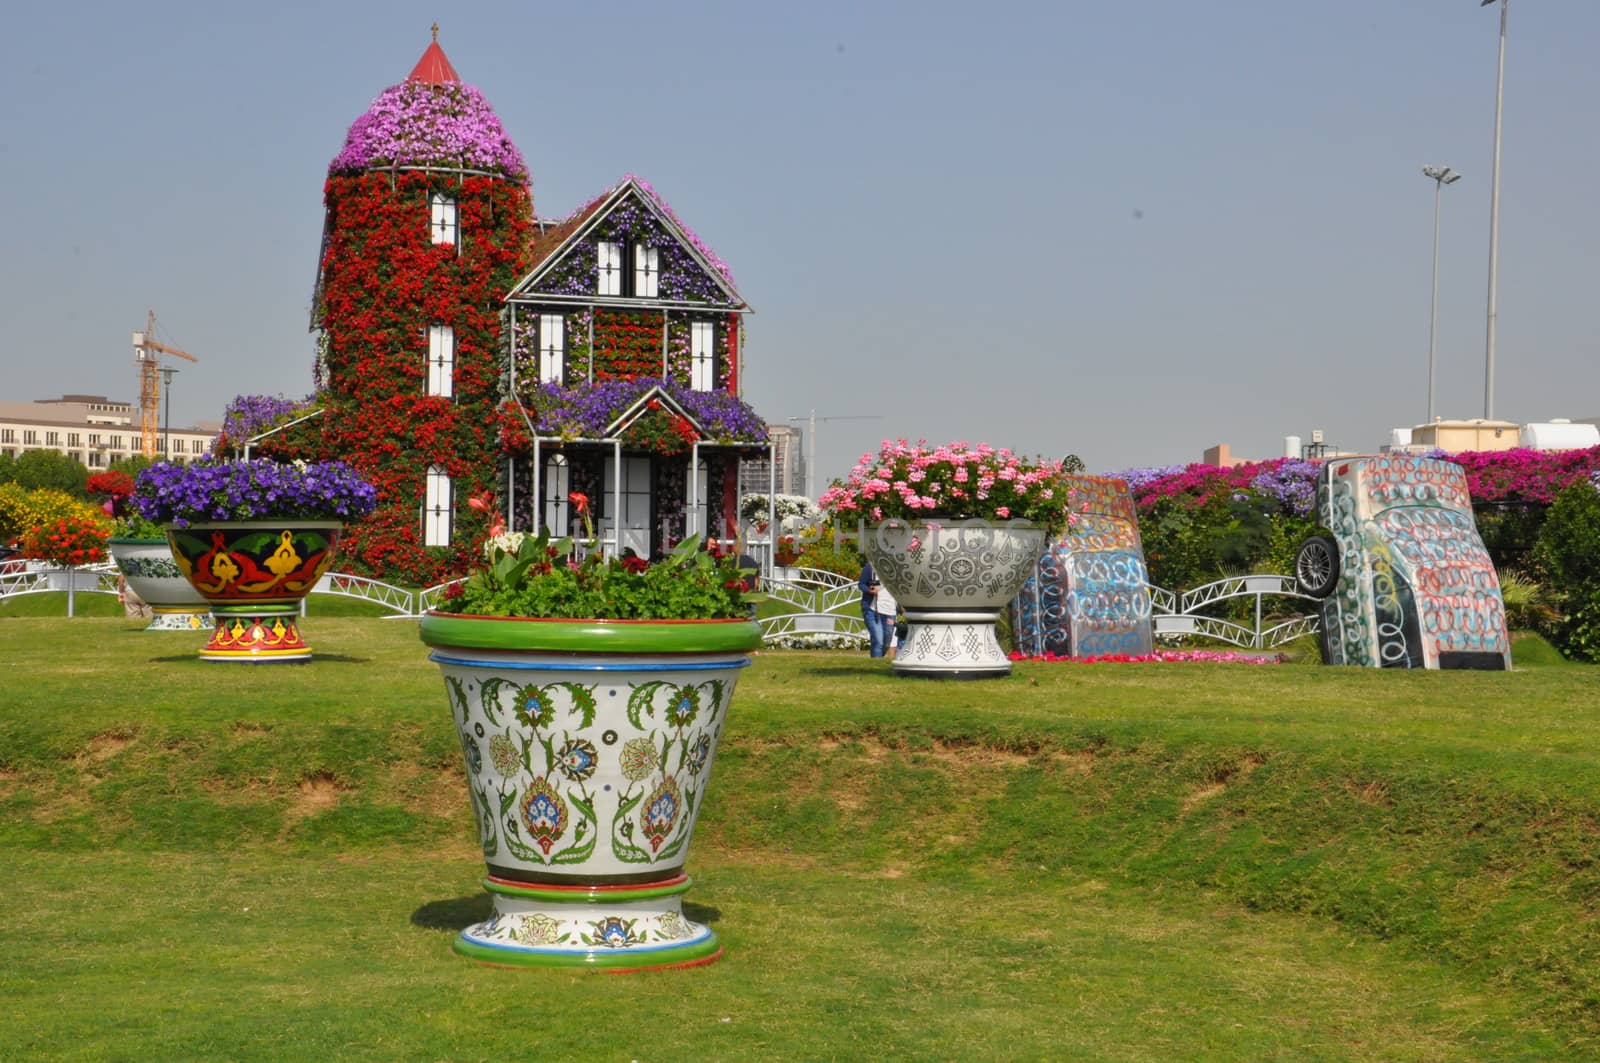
(1442, 175)
(166, 431)
(1494, 220)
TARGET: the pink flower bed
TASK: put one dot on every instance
(1162, 656)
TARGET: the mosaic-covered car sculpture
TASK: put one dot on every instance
(1404, 579)
(1089, 594)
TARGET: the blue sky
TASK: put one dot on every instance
(1124, 230)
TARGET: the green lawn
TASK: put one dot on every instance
(1085, 862)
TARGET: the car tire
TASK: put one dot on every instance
(1316, 566)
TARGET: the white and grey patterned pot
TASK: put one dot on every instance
(152, 574)
(952, 580)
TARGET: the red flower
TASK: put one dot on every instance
(580, 502)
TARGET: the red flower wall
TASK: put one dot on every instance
(383, 283)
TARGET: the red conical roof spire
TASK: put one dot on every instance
(433, 68)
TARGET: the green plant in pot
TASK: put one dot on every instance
(589, 694)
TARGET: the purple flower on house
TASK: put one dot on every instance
(424, 124)
(584, 411)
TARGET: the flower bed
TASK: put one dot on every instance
(1161, 657)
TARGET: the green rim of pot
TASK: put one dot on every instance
(590, 636)
(624, 959)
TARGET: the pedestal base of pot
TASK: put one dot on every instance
(635, 927)
(261, 635)
(951, 645)
(171, 618)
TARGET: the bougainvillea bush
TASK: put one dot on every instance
(954, 481)
(1201, 522)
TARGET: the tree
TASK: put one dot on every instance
(51, 468)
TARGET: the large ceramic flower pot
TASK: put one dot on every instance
(952, 580)
(588, 746)
(255, 574)
(152, 574)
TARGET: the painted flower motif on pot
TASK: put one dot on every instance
(699, 754)
(474, 755)
(536, 928)
(638, 759)
(685, 706)
(544, 813)
(673, 926)
(578, 759)
(661, 811)
(534, 707)
(613, 933)
(503, 751)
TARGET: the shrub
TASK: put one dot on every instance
(22, 509)
(1564, 560)
(74, 540)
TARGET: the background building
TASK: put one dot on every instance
(790, 457)
(91, 429)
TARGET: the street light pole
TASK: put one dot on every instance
(166, 443)
(811, 442)
(1494, 221)
(1442, 175)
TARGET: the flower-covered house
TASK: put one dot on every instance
(626, 339)
(467, 349)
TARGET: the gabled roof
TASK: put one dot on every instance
(655, 398)
(551, 245)
(433, 68)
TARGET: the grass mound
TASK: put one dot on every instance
(1178, 860)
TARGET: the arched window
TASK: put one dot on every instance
(437, 507)
(442, 219)
(557, 485)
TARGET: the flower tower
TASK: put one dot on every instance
(428, 221)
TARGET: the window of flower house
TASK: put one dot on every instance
(436, 508)
(646, 271)
(609, 257)
(552, 348)
(442, 223)
(441, 360)
(702, 355)
(557, 485)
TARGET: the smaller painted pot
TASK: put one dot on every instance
(151, 573)
(255, 575)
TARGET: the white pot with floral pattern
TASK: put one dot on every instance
(588, 747)
(149, 570)
(952, 580)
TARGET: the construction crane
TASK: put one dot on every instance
(146, 352)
